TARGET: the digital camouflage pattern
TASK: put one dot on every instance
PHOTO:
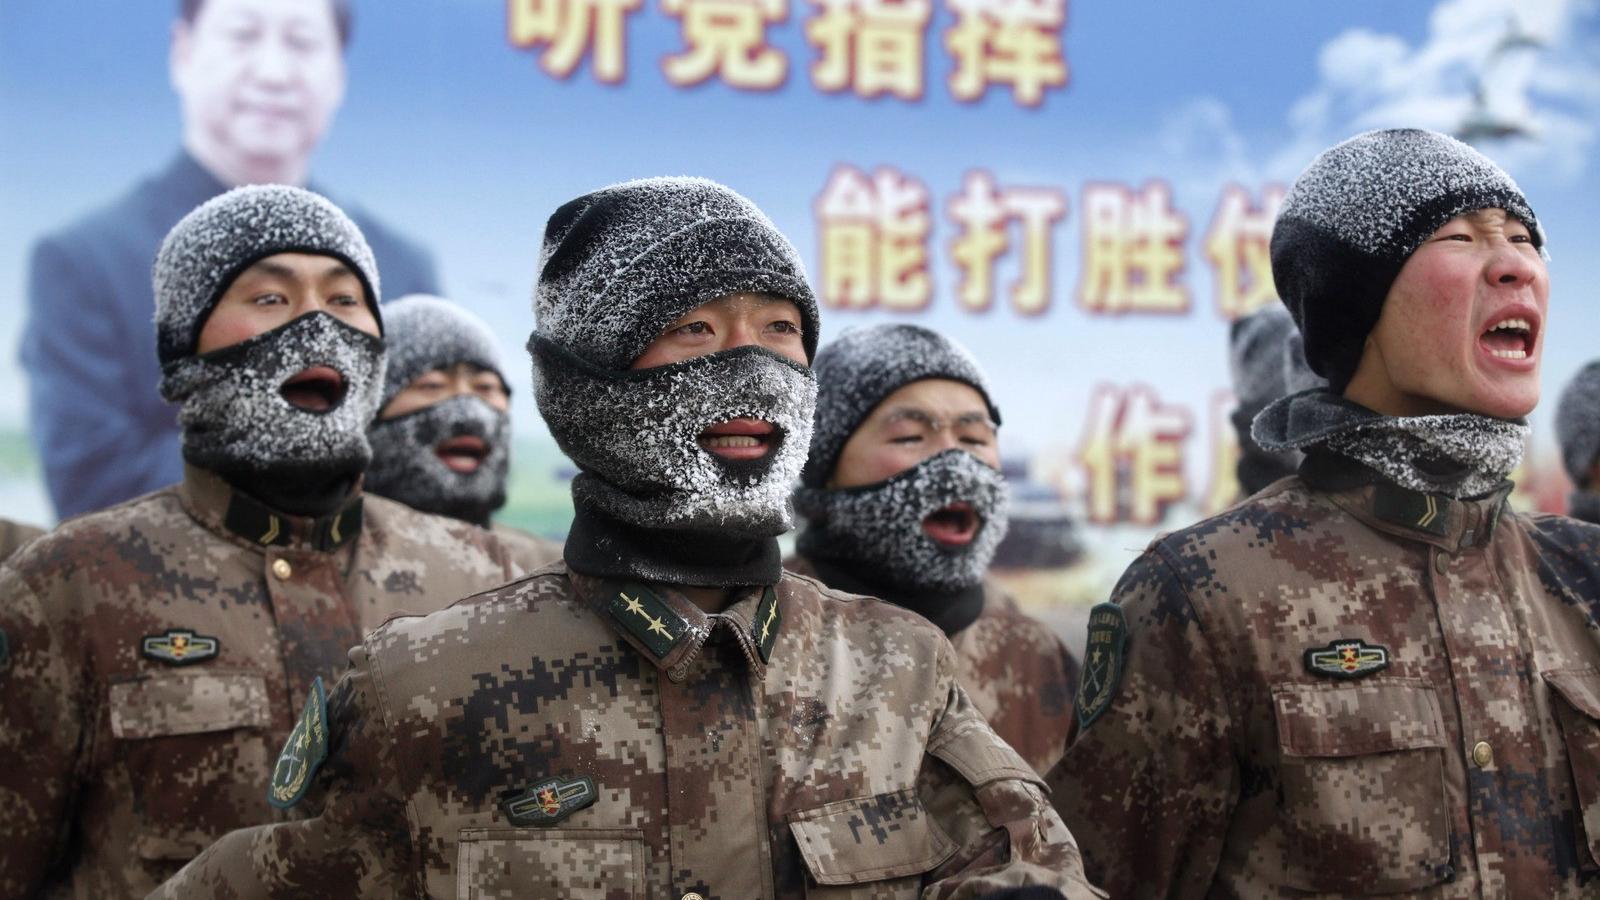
(1016, 671)
(529, 551)
(848, 764)
(159, 660)
(13, 535)
(1449, 748)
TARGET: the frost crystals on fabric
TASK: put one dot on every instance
(234, 415)
(406, 467)
(878, 527)
(635, 434)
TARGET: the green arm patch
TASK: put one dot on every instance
(303, 753)
(1102, 662)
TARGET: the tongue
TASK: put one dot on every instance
(307, 396)
(949, 529)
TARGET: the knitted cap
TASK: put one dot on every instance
(622, 263)
(210, 246)
(1267, 359)
(1578, 423)
(863, 366)
(1354, 216)
(426, 333)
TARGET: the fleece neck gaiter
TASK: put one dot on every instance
(652, 503)
(236, 421)
(874, 535)
(1460, 455)
(410, 464)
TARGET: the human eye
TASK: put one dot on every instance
(784, 326)
(270, 298)
(693, 328)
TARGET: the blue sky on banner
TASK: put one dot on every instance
(458, 137)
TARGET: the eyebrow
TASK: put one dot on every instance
(268, 267)
(912, 413)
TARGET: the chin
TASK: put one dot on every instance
(1501, 404)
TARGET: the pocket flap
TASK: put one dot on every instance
(1353, 719)
(188, 703)
(1580, 687)
(870, 839)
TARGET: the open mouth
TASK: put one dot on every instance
(464, 454)
(953, 526)
(740, 439)
(1510, 338)
(317, 389)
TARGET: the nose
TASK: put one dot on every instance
(273, 63)
(1511, 265)
(741, 333)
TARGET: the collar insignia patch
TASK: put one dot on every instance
(1428, 513)
(179, 647)
(765, 627)
(1347, 658)
(549, 801)
(647, 617)
(303, 753)
(1103, 656)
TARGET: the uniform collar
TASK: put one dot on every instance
(219, 507)
(1437, 519)
(666, 628)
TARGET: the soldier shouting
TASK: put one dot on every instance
(1374, 677)
(160, 650)
(442, 442)
(669, 714)
(904, 500)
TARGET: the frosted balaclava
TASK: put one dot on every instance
(1578, 432)
(872, 535)
(617, 267)
(234, 416)
(408, 451)
(1267, 361)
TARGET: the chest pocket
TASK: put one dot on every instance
(875, 847)
(195, 749)
(1363, 801)
(1578, 710)
(571, 863)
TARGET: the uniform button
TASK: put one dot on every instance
(693, 895)
(1482, 754)
(282, 569)
(1441, 563)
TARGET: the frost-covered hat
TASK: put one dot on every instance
(620, 264)
(863, 366)
(210, 246)
(426, 333)
(1578, 423)
(1355, 215)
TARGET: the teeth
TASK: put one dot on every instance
(1513, 325)
(1510, 354)
(732, 440)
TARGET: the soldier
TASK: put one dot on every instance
(159, 649)
(667, 714)
(13, 535)
(442, 441)
(904, 500)
(1373, 677)
(1267, 361)
(1578, 429)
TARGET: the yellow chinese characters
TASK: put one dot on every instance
(983, 213)
(870, 47)
(1016, 43)
(1238, 244)
(568, 30)
(727, 39)
(1132, 250)
(874, 239)
(1132, 454)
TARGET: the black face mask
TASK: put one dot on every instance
(876, 530)
(406, 465)
(236, 421)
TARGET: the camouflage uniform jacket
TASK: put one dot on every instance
(529, 551)
(1016, 670)
(160, 651)
(1346, 690)
(13, 535)
(569, 737)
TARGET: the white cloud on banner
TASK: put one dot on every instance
(1520, 78)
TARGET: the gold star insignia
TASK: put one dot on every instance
(656, 625)
(634, 606)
